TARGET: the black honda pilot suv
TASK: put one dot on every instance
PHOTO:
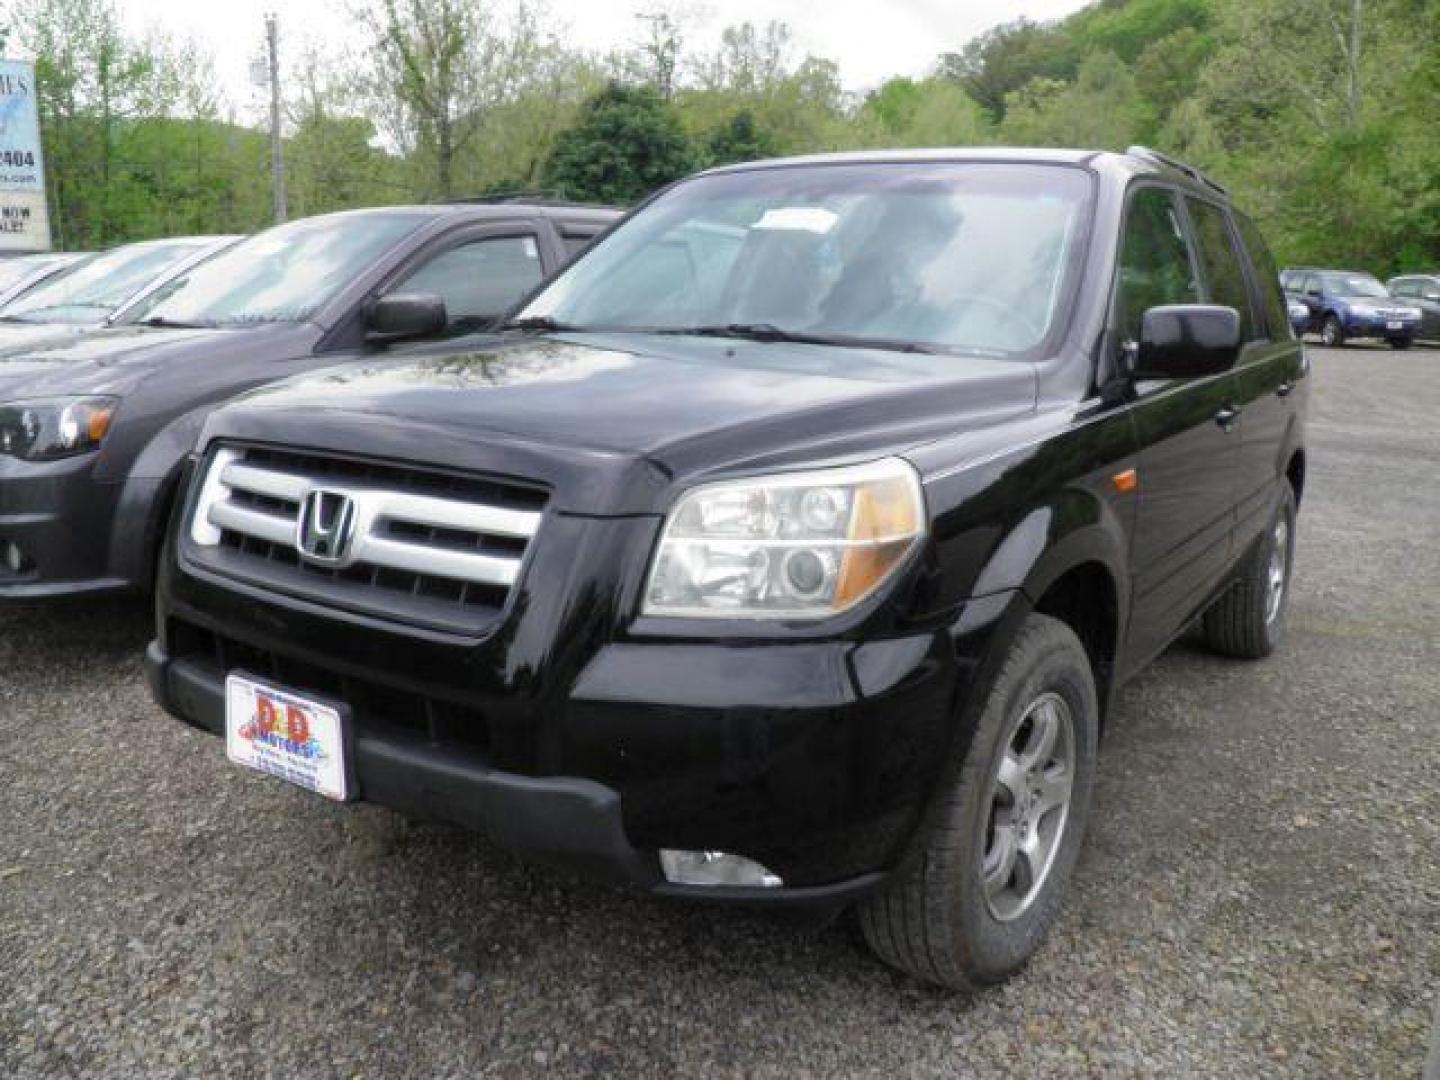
(788, 548)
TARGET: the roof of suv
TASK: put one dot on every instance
(1138, 159)
(482, 210)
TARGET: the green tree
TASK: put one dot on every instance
(1102, 108)
(437, 69)
(626, 143)
(740, 139)
(1000, 61)
(925, 112)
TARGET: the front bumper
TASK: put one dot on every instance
(60, 518)
(1358, 325)
(577, 823)
(593, 751)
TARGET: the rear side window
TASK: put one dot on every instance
(1224, 278)
(1155, 265)
(1277, 316)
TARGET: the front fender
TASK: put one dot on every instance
(1021, 518)
(146, 497)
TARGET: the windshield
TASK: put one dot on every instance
(88, 292)
(944, 257)
(284, 274)
(14, 271)
(1355, 285)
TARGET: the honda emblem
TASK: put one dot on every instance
(326, 529)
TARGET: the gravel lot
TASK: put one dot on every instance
(1260, 893)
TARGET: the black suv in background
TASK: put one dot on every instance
(93, 429)
(789, 550)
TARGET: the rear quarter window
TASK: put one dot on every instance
(1263, 263)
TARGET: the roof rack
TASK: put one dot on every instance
(1179, 166)
(536, 198)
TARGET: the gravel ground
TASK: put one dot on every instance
(1260, 894)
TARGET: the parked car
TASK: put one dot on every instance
(788, 550)
(93, 430)
(1345, 304)
(20, 272)
(1423, 292)
(100, 290)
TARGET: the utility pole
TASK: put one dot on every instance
(277, 148)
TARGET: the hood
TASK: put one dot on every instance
(108, 360)
(17, 335)
(660, 408)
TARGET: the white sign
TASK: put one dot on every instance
(24, 216)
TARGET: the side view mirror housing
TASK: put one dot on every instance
(1186, 341)
(405, 315)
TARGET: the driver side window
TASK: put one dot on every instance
(479, 281)
(1155, 263)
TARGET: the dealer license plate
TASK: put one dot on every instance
(1394, 324)
(286, 735)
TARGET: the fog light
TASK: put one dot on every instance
(715, 868)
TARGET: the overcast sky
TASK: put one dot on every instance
(870, 39)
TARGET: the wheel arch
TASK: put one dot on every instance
(1068, 559)
(148, 496)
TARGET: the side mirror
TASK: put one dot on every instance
(1186, 341)
(404, 315)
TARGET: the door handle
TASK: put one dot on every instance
(1226, 417)
(1283, 390)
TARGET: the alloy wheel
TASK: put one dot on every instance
(1277, 571)
(1029, 806)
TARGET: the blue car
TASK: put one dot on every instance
(1345, 304)
(1299, 316)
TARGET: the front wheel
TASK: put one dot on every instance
(975, 903)
(1248, 622)
(1332, 333)
(1401, 343)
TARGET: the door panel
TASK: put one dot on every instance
(1185, 511)
(1182, 544)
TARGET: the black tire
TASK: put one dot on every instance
(935, 920)
(1332, 333)
(1240, 624)
(1401, 343)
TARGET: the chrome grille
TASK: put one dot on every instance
(424, 545)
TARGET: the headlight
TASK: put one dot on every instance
(49, 428)
(1411, 313)
(791, 546)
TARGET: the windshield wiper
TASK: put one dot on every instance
(173, 324)
(767, 332)
(537, 322)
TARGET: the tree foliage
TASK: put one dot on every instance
(626, 143)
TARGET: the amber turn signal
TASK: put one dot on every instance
(1125, 482)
